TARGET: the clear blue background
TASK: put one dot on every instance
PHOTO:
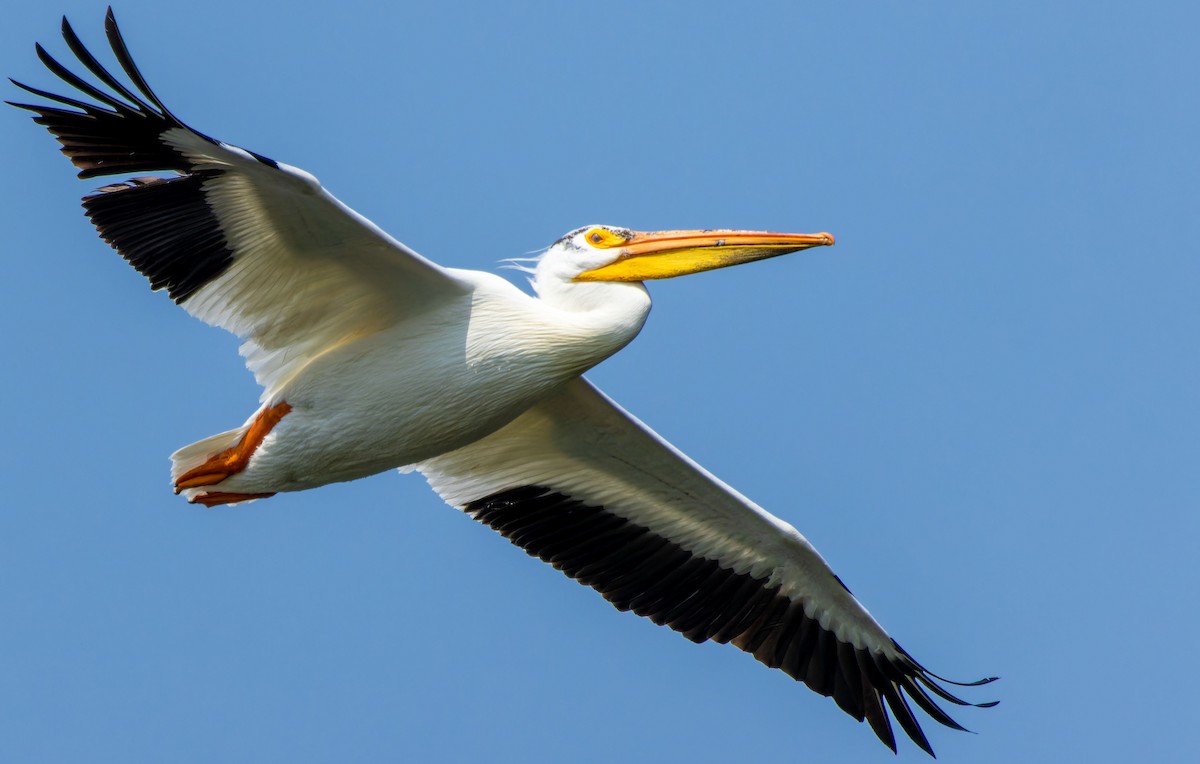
(981, 405)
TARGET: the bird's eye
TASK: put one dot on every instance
(603, 238)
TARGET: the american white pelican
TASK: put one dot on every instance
(373, 358)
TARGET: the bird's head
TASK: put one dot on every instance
(607, 253)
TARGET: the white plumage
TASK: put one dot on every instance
(373, 358)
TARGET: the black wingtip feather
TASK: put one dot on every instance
(928, 706)
(874, 711)
(926, 679)
(164, 226)
(915, 663)
(637, 569)
(77, 82)
(158, 226)
(88, 60)
(847, 683)
(904, 715)
(117, 43)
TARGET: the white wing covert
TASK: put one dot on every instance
(238, 240)
(581, 484)
(261, 249)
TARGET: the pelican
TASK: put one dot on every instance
(373, 358)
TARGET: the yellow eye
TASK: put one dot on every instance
(603, 238)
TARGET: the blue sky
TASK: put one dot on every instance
(981, 405)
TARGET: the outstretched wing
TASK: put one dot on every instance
(581, 484)
(238, 240)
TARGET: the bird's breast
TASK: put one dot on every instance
(413, 392)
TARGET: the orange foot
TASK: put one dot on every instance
(213, 498)
(234, 459)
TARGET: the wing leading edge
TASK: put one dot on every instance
(238, 240)
(582, 485)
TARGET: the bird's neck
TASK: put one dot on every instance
(603, 316)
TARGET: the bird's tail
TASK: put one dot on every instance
(191, 456)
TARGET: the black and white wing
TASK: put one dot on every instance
(581, 484)
(238, 240)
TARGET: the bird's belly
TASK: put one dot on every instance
(357, 411)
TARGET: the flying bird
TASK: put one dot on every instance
(372, 358)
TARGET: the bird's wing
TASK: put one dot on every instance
(238, 240)
(581, 484)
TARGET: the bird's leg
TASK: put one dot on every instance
(234, 459)
(213, 498)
